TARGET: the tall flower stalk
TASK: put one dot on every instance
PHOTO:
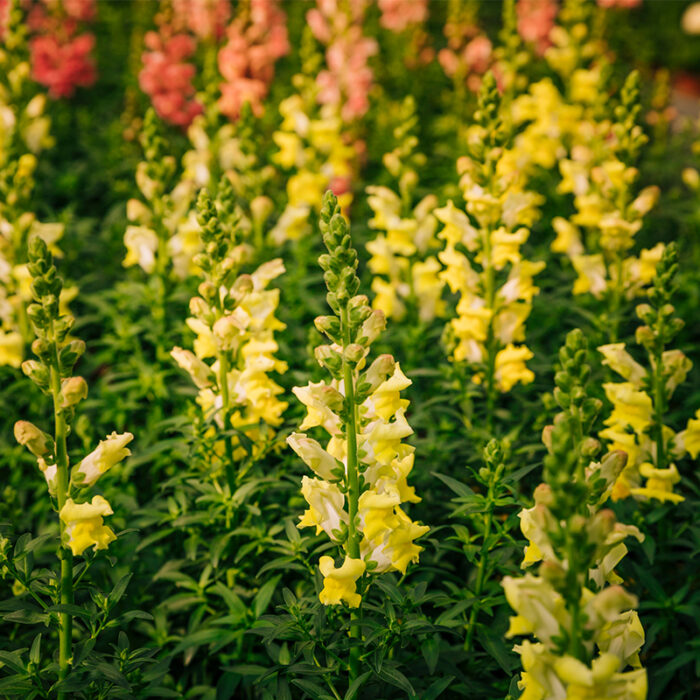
(315, 148)
(611, 213)
(361, 476)
(587, 629)
(234, 321)
(405, 273)
(480, 246)
(162, 237)
(81, 522)
(24, 133)
(641, 403)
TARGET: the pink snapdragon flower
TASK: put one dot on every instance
(206, 19)
(472, 60)
(62, 67)
(347, 78)
(247, 60)
(80, 10)
(4, 17)
(619, 3)
(166, 77)
(61, 57)
(399, 15)
(535, 22)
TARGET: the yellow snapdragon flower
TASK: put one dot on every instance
(511, 367)
(11, 348)
(339, 584)
(316, 146)
(85, 526)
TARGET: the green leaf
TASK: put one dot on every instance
(15, 684)
(436, 688)
(71, 609)
(496, 646)
(455, 610)
(35, 653)
(356, 685)
(37, 542)
(13, 659)
(315, 691)
(235, 604)
(112, 674)
(247, 669)
(396, 678)
(457, 486)
(25, 616)
(431, 651)
(226, 686)
(203, 636)
(118, 590)
(264, 595)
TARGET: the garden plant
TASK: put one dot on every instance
(349, 349)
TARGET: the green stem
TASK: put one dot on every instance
(483, 561)
(353, 542)
(64, 554)
(226, 417)
(259, 237)
(576, 648)
(160, 311)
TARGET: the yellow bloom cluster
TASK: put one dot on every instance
(360, 477)
(612, 625)
(641, 400)
(388, 533)
(84, 521)
(482, 257)
(630, 424)
(315, 148)
(24, 133)
(587, 631)
(234, 322)
(404, 272)
(554, 123)
(592, 152)
(602, 200)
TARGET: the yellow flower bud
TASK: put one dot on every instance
(36, 441)
(73, 390)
